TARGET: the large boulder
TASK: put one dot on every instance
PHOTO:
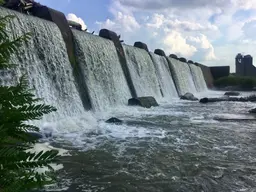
(182, 59)
(107, 34)
(146, 102)
(159, 52)
(141, 45)
(114, 120)
(173, 56)
(232, 93)
(189, 96)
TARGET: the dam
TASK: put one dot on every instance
(176, 146)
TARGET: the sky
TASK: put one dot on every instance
(210, 32)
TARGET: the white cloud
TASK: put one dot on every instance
(210, 32)
(73, 17)
(177, 44)
(121, 23)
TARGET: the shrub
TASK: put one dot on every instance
(242, 82)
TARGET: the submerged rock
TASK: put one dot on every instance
(253, 111)
(35, 135)
(251, 98)
(232, 93)
(114, 120)
(146, 102)
(189, 96)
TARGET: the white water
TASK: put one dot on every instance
(198, 77)
(102, 71)
(143, 72)
(182, 76)
(164, 76)
(45, 61)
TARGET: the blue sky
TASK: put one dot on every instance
(210, 32)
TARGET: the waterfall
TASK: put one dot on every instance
(142, 72)
(198, 78)
(102, 71)
(164, 76)
(182, 76)
(45, 61)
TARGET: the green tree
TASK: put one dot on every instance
(18, 105)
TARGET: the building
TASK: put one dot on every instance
(244, 65)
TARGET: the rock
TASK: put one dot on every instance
(251, 98)
(252, 110)
(114, 120)
(232, 93)
(189, 96)
(182, 59)
(159, 52)
(173, 56)
(146, 102)
(141, 45)
(107, 34)
(35, 135)
(204, 100)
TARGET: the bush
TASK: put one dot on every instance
(17, 106)
(239, 81)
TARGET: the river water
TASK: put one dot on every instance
(174, 147)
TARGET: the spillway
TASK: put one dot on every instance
(198, 77)
(182, 76)
(102, 71)
(45, 61)
(165, 76)
(143, 72)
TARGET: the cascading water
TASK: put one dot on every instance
(142, 72)
(182, 76)
(102, 71)
(45, 61)
(164, 76)
(198, 77)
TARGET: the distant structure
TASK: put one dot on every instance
(244, 65)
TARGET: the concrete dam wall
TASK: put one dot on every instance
(102, 70)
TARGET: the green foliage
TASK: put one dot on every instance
(242, 82)
(18, 166)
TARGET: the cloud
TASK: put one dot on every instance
(210, 32)
(73, 17)
(121, 23)
(249, 29)
(166, 4)
(177, 44)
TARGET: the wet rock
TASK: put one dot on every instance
(114, 120)
(35, 135)
(182, 59)
(146, 102)
(173, 56)
(189, 96)
(159, 52)
(232, 93)
(253, 111)
(234, 99)
(251, 98)
(204, 100)
(141, 45)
